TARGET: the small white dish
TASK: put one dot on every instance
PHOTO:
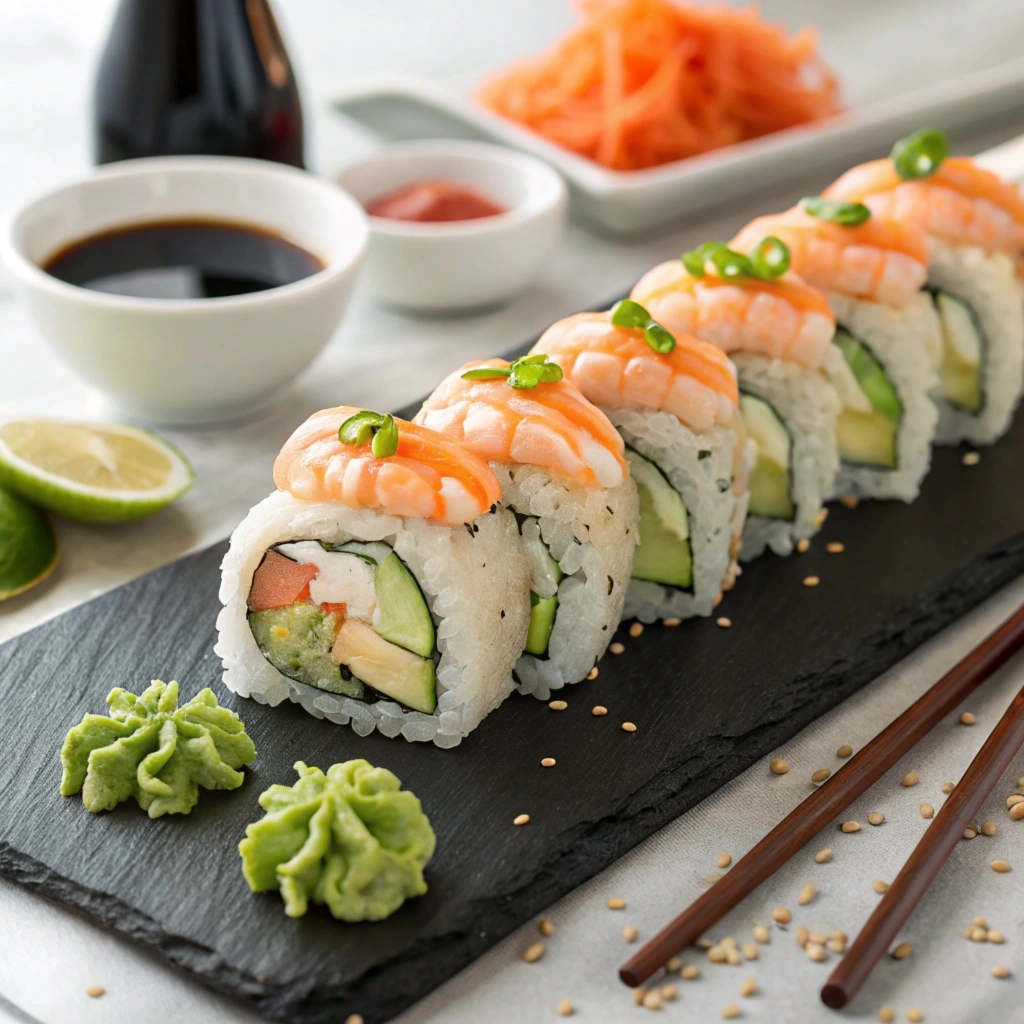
(459, 265)
(190, 361)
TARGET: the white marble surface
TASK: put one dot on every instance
(381, 359)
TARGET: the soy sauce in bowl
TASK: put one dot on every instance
(183, 259)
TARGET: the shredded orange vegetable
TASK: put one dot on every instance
(644, 82)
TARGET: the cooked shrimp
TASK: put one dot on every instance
(616, 368)
(551, 425)
(960, 203)
(429, 477)
(879, 259)
(783, 319)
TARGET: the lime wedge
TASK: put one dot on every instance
(28, 548)
(98, 474)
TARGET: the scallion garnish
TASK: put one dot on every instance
(767, 262)
(919, 155)
(627, 313)
(527, 372)
(770, 258)
(835, 210)
(378, 428)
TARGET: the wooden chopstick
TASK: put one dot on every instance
(865, 768)
(928, 857)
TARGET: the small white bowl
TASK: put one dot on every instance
(459, 265)
(190, 361)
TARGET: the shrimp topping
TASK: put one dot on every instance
(549, 424)
(428, 477)
(878, 259)
(780, 319)
(961, 202)
(616, 368)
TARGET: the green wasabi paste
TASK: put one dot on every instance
(352, 839)
(151, 749)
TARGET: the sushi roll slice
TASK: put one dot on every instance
(887, 343)
(562, 473)
(675, 403)
(381, 586)
(974, 222)
(778, 332)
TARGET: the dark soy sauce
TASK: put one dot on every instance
(182, 259)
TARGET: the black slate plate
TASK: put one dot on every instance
(706, 702)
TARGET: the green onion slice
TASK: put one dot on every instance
(770, 258)
(627, 313)
(487, 373)
(527, 372)
(378, 428)
(659, 338)
(834, 210)
(919, 155)
(731, 265)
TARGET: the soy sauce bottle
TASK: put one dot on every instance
(196, 76)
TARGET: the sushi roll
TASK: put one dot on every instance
(887, 343)
(562, 473)
(381, 585)
(974, 222)
(674, 401)
(778, 332)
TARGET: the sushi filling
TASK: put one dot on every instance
(770, 476)
(868, 426)
(663, 553)
(349, 619)
(963, 353)
(545, 575)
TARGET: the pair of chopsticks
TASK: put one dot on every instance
(865, 768)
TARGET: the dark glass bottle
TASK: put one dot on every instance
(196, 76)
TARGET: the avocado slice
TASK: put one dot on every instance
(385, 666)
(870, 375)
(868, 438)
(297, 640)
(542, 613)
(770, 483)
(402, 615)
(963, 352)
(663, 554)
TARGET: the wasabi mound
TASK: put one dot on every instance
(351, 840)
(151, 749)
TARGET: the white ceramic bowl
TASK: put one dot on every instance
(459, 265)
(190, 361)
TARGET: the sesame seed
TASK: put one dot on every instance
(711, 879)
(1000, 971)
(820, 518)
(977, 934)
(971, 458)
(617, 648)
(970, 833)
(1013, 799)
(779, 767)
(910, 779)
(750, 951)
(724, 860)
(886, 1016)
(521, 819)
(671, 623)
(628, 727)
(997, 937)
(557, 705)
(902, 951)
(844, 751)
(836, 945)
(1017, 812)
(615, 903)
(762, 935)
(748, 988)
(802, 935)
(592, 674)
(638, 996)
(354, 1018)
(669, 993)
(690, 972)
(816, 952)
(652, 1001)
(1020, 782)
(780, 915)
(675, 964)
(980, 922)
(821, 775)
(95, 991)
(806, 895)
(914, 1015)
(598, 710)
(948, 787)
(968, 719)
(835, 547)
(564, 1008)
(548, 762)
(730, 1011)
(534, 953)
(728, 942)
(823, 856)
(545, 927)
(636, 629)
(1000, 866)
(817, 937)
(849, 501)
(630, 933)
(811, 581)
(879, 886)
(703, 944)
(876, 818)
(927, 811)
(722, 622)
(803, 545)
(839, 936)
(850, 826)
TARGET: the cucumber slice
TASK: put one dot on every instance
(297, 640)
(402, 616)
(373, 552)
(663, 554)
(542, 623)
(963, 352)
(770, 484)
(388, 668)
(870, 375)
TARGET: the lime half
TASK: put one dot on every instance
(98, 474)
(28, 548)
